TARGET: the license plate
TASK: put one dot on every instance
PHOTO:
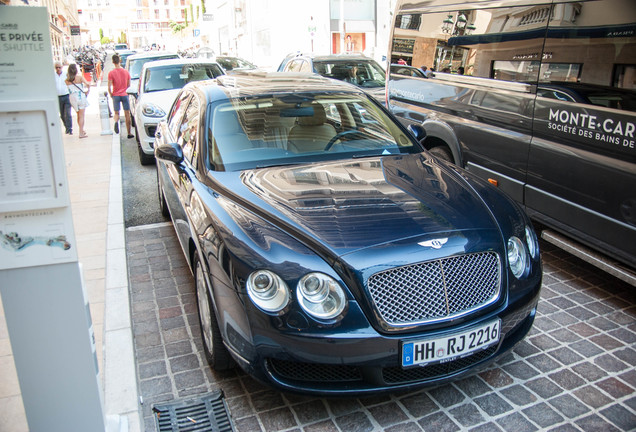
(449, 348)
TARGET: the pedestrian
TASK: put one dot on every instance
(63, 99)
(78, 89)
(118, 83)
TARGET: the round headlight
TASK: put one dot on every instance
(517, 257)
(533, 244)
(320, 296)
(268, 291)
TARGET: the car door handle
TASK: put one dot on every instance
(158, 134)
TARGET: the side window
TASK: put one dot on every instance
(189, 130)
(176, 113)
(591, 61)
(498, 43)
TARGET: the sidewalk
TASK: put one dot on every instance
(93, 169)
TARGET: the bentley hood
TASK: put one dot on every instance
(366, 203)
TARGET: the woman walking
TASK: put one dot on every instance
(76, 86)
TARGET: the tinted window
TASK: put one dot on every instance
(189, 130)
(136, 65)
(177, 76)
(176, 113)
(363, 73)
(264, 131)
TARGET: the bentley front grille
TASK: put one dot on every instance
(436, 290)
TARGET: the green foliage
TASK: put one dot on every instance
(203, 6)
(176, 27)
(185, 13)
(105, 40)
(122, 38)
(101, 34)
(191, 13)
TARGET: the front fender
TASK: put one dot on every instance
(437, 129)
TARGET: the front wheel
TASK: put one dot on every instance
(215, 352)
(442, 152)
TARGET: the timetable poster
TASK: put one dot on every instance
(26, 168)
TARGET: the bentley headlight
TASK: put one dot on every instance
(152, 110)
(320, 296)
(268, 291)
(517, 257)
(533, 243)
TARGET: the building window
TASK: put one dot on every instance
(168, 13)
(139, 3)
(156, 13)
(140, 15)
(99, 16)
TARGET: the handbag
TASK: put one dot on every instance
(74, 98)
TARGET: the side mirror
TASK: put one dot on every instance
(418, 132)
(132, 91)
(170, 152)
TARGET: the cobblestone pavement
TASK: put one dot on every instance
(574, 372)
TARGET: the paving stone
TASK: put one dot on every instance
(615, 388)
(473, 386)
(404, 427)
(446, 396)
(439, 422)
(493, 404)
(311, 412)
(516, 422)
(568, 406)
(521, 370)
(543, 415)
(467, 415)
(419, 405)
(567, 379)
(388, 414)
(325, 426)
(596, 423)
(518, 395)
(277, 420)
(355, 422)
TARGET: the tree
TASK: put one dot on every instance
(176, 27)
(203, 6)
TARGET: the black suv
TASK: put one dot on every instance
(357, 69)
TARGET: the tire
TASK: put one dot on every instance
(163, 205)
(215, 352)
(442, 152)
(143, 157)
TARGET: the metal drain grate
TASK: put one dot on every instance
(207, 413)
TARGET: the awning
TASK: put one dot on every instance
(623, 30)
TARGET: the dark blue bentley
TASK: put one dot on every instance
(331, 253)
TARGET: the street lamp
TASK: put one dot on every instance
(455, 28)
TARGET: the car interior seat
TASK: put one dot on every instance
(311, 133)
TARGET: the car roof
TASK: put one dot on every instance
(151, 54)
(180, 61)
(249, 84)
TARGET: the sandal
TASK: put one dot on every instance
(84, 135)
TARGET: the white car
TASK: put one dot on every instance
(159, 83)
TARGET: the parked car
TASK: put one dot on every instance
(135, 64)
(120, 47)
(545, 109)
(357, 69)
(124, 54)
(407, 71)
(159, 83)
(331, 253)
(234, 64)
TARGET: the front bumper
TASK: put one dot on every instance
(367, 362)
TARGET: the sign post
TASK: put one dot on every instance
(42, 291)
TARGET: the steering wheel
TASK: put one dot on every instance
(342, 134)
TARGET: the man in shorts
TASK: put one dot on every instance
(118, 83)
